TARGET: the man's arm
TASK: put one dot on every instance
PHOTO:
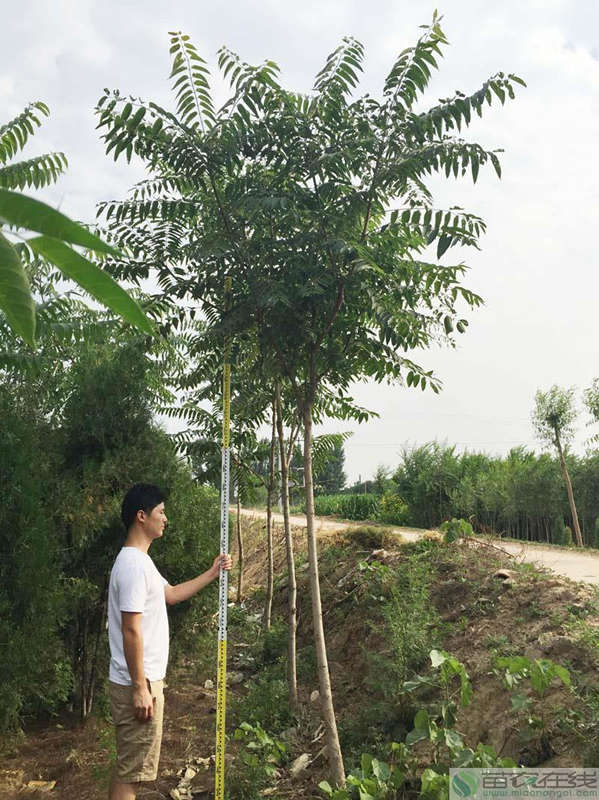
(183, 591)
(134, 655)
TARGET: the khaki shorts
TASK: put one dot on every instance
(137, 743)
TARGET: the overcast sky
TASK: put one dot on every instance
(537, 269)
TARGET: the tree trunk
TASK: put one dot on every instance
(83, 672)
(239, 551)
(269, 494)
(326, 696)
(94, 665)
(562, 461)
(291, 582)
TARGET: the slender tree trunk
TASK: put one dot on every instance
(326, 696)
(269, 494)
(291, 582)
(91, 687)
(562, 461)
(83, 673)
(239, 551)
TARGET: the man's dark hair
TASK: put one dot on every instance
(141, 497)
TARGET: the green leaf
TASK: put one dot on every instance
(93, 279)
(442, 245)
(453, 740)
(563, 674)
(26, 212)
(417, 735)
(380, 770)
(15, 295)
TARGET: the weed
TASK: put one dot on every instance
(411, 623)
(533, 610)
(500, 645)
(306, 665)
(274, 647)
(262, 755)
(102, 772)
(266, 702)
(529, 709)
(368, 537)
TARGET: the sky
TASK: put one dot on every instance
(537, 267)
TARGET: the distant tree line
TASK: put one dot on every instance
(521, 495)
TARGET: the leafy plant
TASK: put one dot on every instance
(19, 212)
(262, 756)
(438, 726)
(540, 675)
(375, 780)
(392, 509)
(541, 672)
(266, 702)
(455, 529)
(411, 623)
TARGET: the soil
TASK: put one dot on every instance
(532, 612)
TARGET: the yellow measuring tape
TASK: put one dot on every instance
(223, 587)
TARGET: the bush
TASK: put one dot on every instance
(267, 702)
(454, 529)
(261, 757)
(392, 509)
(411, 621)
(567, 536)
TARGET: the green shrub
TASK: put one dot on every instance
(267, 702)
(454, 529)
(274, 647)
(411, 622)
(567, 536)
(596, 533)
(392, 509)
(260, 758)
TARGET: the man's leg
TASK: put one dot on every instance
(121, 791)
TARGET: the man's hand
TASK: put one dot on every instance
(143, 703)
(223, 561)
(183, 591)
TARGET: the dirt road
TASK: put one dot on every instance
(578, 566)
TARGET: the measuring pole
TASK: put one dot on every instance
(223, 587)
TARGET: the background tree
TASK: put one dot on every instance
(553, 418)
(591, 401)
(331, 478)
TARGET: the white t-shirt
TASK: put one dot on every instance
(136, 585)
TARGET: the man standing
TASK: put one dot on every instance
(138, 636)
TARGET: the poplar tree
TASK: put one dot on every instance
(553, 419)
